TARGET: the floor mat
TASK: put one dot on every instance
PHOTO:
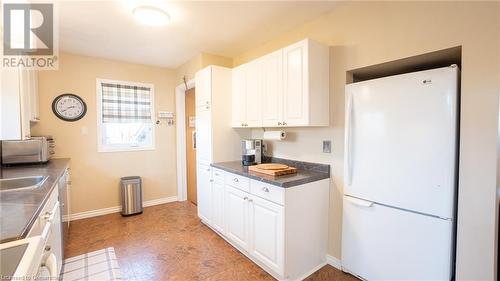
(100, 265)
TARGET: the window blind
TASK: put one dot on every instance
(125, 103)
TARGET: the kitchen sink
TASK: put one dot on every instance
(24, 183)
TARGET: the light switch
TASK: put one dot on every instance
(84, 131)
(327, 146)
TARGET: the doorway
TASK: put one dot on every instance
(190, 114)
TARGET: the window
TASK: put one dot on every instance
(125, 116)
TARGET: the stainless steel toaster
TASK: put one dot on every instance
(34, 150)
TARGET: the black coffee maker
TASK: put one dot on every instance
(251, 152)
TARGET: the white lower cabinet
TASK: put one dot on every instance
(266, 232)
(237, 216)
(204, 190)
(261, 220)
(218, 206)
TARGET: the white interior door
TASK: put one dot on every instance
(382, 243)
(272, 96)
(238, 92)
(253, 94)
(237, 216)
(266, 233)
(218, 206)
(204, 192)
(401, 141)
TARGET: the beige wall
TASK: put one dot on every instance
(198, 62)
(366, 33)
(95, 176)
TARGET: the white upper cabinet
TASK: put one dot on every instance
(253, 97)
(295, 103)
(203, 96)
(19, 103)
(238, 93)
(247, 95)
(290, 90)
(306, 84)
(272, 95)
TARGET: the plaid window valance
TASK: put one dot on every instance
(125, 103)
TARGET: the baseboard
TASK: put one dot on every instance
(159, 201)
(307, 274)
(116, 209)
(333, 261)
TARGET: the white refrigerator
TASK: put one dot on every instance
(400, 176)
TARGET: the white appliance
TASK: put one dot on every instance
(400, 176)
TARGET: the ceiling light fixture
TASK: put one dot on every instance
(151, 16)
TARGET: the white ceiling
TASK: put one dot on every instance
(107, 28)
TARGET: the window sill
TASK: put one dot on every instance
(124, 149)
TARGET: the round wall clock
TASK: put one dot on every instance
(69, 107)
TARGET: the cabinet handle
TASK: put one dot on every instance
(284, 123)
(279, 123)
(211, 180)
(245, 198)
(207, 102)
(250, 200)
(47, 215)
(265, 189)
(242, 124)
(48, 248)
(207, 107)
(208, 170)
(235, 180)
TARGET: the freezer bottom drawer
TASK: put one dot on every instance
(383, 243)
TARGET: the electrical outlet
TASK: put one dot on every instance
(327, 146)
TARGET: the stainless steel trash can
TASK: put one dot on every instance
(131, 195)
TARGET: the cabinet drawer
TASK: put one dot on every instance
(218, 175)
(40, 221)
(237, 181)
(270, 192)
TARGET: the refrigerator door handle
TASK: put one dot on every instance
(359, 202)
(348, 137)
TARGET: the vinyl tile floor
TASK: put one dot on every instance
(168, 242)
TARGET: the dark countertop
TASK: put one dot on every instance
(19, 209)
(306, 172)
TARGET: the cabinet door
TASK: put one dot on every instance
(266, 233)
(55, 239)
(10, 110)
(218, 206)
(295, 76)
(203, 136)
(24, 87)
(253, 97)
(272, 95)
(203, 85)
(204, 190)
(237, 216)
(238, 94)
(34, 101)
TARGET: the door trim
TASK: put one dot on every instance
(180, 103)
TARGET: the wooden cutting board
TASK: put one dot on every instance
(273, 169)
